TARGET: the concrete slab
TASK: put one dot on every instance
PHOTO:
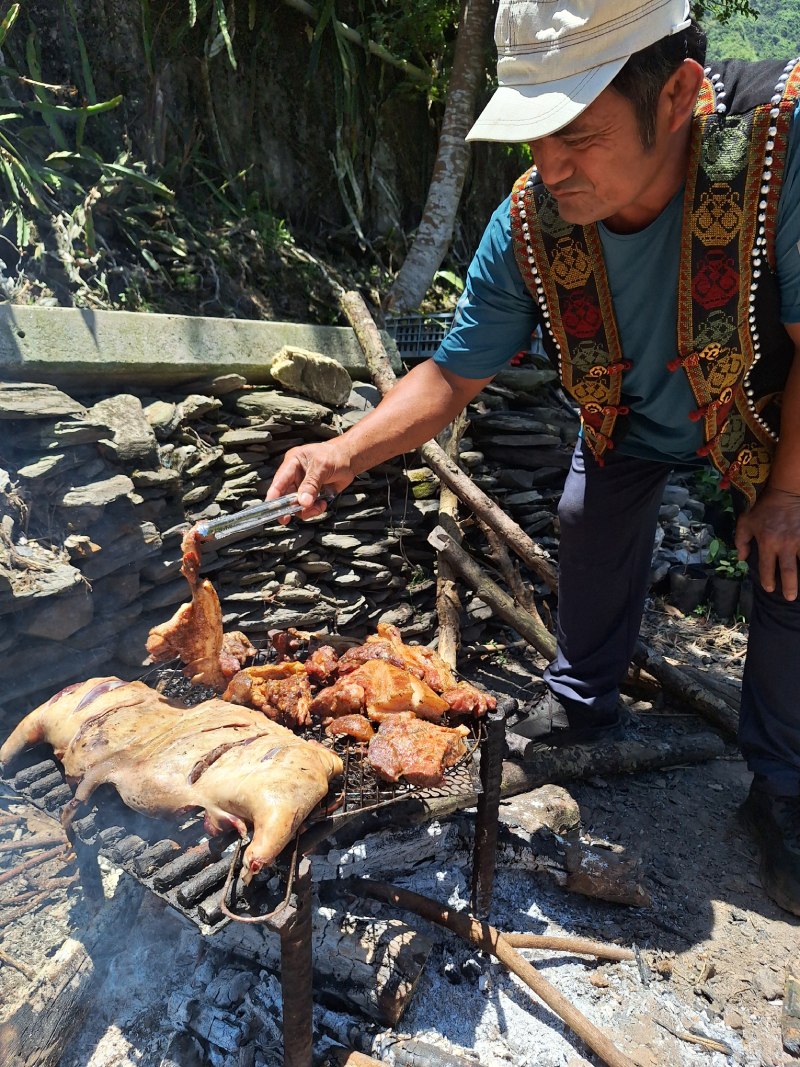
(76, 345)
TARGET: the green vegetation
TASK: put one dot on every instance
(725, 560)
(773, 34)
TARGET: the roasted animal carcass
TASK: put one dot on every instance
(194, 633)
(378, 688)
(281, 690)
(407, 747)
(164, 759)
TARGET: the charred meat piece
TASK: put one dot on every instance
(407, 747)
(356, 726)
(163, 759)
(379, 688)
(281, 690)
(321, 664)
(465, 699)
(236, 648)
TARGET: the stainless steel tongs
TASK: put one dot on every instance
(253, 518)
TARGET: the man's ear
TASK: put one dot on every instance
(679, 95)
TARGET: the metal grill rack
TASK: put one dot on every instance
(189, 871)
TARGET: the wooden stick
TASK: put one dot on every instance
(11, 917)
(448, 602)
(488, 939)
(357, 314)
(347, 1058)
(523, 593)
(534, 632)
(582, 946)
(43, 857)
(21, 967)
(675, 681)
(37, 841)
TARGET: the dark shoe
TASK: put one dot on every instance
(775, 824)
(546, 722)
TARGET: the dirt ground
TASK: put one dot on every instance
(714, 950)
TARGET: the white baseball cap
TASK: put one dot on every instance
(554, 57)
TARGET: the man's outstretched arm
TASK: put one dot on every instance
(422, 403)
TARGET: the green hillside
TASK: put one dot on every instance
(775, 34)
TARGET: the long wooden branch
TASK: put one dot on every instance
(448, 602)
(357, 314)
(490, 592)
(679, 684)
(489, 939)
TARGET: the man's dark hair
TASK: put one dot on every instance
(647, 72)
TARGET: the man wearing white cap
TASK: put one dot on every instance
(656, 241)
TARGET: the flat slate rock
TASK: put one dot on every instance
(288, 409)
(28, 400)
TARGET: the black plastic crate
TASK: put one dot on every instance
(419, 335)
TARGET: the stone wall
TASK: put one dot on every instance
(96, 493)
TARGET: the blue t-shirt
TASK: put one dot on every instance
(496, 314)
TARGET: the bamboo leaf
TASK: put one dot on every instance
(8, 22)
(223, 29)
(74, 112)
(34, 67)
(150, 259)
(192, 12)
(140, 179)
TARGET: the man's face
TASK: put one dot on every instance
(597, 168)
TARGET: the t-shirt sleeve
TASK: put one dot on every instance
(496, 314)
(787, 237)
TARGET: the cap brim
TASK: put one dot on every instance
(527, 112)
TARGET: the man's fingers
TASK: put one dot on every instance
(742, 538)
(788, 569)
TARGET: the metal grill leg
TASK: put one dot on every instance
(296, 973)
(484, 857)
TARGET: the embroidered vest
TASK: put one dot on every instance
(730, 342)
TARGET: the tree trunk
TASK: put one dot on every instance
(436, 228)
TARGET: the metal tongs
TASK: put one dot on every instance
(253, 518)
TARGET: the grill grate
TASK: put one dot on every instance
(185, 867)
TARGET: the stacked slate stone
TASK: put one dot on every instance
(96, 491)
(95, 494)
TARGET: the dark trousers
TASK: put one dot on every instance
(608, 517)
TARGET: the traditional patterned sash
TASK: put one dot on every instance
(728, 232)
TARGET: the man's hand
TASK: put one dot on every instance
(309, 469)
(774, 522)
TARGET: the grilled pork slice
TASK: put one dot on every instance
(163, 759)
(424, 663)
(356, 726)
(406, 747)
(379, 688)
